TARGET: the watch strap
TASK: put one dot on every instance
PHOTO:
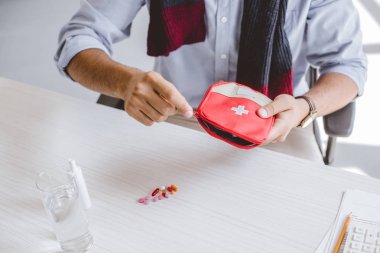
(312, 107)
(312, 111)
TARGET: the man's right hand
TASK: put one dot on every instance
(153, 99)
(147, 96)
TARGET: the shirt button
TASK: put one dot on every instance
(224, 19)
(223, 56)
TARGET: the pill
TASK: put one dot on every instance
(154, 193)
(141, 200)
(174, 187)
(159, 197)
(162, 188)
(154, 199)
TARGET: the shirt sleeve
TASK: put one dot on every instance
(97, 24)
(334, 40)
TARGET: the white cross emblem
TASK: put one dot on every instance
(240, 110)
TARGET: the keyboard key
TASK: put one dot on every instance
(369, 237)
(357, 238)
(367, 248)
(355, 245)
(362, 237)
(358, 230)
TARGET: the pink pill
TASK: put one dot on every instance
(159, 197)
(154, 199)
(141, 200)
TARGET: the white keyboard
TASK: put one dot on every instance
(362, 237)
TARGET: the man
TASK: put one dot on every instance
(268, 45)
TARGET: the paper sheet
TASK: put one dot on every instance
(358, 203)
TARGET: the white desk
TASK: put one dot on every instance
(229, 201)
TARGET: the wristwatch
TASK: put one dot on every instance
(312, 112)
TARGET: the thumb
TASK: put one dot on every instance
(184, 108)
(173, 96)
(279, 104)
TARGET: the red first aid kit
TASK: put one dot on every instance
(228, 112)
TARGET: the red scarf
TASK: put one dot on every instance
(265, 59)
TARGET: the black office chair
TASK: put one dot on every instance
(337, 124)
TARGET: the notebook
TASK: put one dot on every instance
(361, 206)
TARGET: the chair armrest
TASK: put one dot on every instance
(110, 101)
(341, 122)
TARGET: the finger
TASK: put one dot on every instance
(279, 104)
(172, 95)
(152, 113)
(148, 110)
(138, 115)
(282, 137)
(161, 105)
(279, 128)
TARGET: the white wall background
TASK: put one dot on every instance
(28, 40)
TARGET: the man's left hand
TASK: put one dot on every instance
(288, 113)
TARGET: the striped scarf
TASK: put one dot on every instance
(264, 61)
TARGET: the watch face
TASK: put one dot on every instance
(308, 119)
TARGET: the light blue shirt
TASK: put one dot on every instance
(321, 33)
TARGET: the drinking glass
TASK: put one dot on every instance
(66, 212)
